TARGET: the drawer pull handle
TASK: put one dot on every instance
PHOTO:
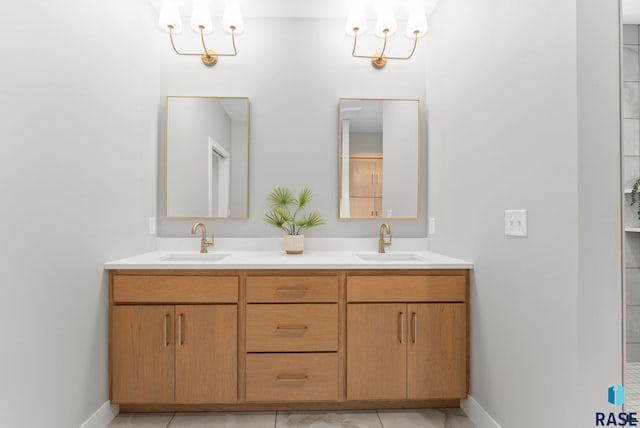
(166, 332)
(292, 378)
(401, 327)
(414, 333)
(291, 290)
(180, 327)
(292, 328)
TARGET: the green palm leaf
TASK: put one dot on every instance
(312, 220)
(284, 211)
(304, 198)
(281, 197)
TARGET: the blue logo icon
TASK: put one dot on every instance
(616, 395)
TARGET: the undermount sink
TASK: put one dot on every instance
(194, 257)
(390, 257)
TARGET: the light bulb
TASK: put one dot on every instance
(232, 16)
(200, 15)
(386, 20)
(417, 22)
(170, 15)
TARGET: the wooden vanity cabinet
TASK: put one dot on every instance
(407, 337)
(191, 340)
(181, 351)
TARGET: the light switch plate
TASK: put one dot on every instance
(432, 226)
(515, 223)
(152, 225)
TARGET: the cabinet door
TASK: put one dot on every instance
(362, 177)
(376, 351)
(142, 354)
(377, 178)
(365, 207)
(437, 354)
(206, 353)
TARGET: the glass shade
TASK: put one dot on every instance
(356, 18)
(170, 15)
(232, 16)
(417, 22)
(200, 15)
(386, 20)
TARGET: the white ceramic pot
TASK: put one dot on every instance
(294, 244)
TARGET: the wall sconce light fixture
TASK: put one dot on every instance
(386, 26)
(171, 21)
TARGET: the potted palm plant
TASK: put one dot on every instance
(286, 213)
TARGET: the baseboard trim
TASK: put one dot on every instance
(478, 415)
(102, 417)
(288, 406)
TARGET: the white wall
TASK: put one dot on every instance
(599, 210)
(79, 86)
(239, 171)
(365, 142)
(513, 125)
(294, 71)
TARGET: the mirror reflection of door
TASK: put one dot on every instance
(219, 180)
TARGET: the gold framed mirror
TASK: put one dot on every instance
(207, 157)
(379, 158)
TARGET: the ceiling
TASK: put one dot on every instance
(301, 8)
(364, 115)
(631, 11)
(337, 9)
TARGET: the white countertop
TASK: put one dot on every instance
(311, 259)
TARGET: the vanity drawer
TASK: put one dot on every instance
(175, 289)
(266, 289)
(292, 327)
(292, 377)
(407, 288)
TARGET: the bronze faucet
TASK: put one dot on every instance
(203, 242)
(381, 242)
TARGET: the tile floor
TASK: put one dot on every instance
(424, 418)
(632, 386)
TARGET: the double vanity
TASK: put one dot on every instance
(255, 330)
(251, 330)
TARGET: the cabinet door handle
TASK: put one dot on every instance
(372, 179)
(166, 331)
(401, 327)
(291, 290)
(180, 326)
(414, 321)
(291, 328)
(292, 378)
